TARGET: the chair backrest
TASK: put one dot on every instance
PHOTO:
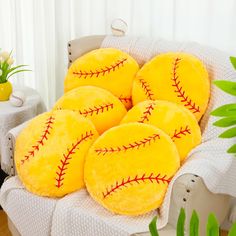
(78, 47)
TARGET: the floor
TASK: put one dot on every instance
(3, 225)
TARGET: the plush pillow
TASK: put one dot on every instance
(129, 167)
(177, 77)
(50, 151)
(178, 122)
(97, 104)
(107, 68)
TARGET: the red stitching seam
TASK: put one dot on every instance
(181, 132)
(44, 136)
(146, 87)
(137, 180)
(136, 144)
(147, 113)
(125, 99)
(96, 109)
(66, 157)
(101, 71)
(179, 89)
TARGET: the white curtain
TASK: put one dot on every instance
(38, 30)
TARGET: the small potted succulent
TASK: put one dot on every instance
(6, 71)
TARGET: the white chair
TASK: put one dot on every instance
(184, 193)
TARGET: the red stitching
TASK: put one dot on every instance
(136, 144)
(146, 87)
(96, 109)
(44, 136)
(147, 113)
(66, 157)
(101, 71)
(137, 180)
(181, 132)
(125, 99)
(179, 89)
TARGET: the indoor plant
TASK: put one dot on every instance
(212, 228)
(6, 71)
(227, 112)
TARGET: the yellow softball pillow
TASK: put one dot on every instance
(107, 68)
(50, 152)
(178, 122)
(178, 77)
(97, 104)
(129, 167)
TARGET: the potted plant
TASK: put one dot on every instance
(6, 71)
(212, 227)
(227, 113)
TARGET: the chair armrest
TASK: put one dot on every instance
(190, 192)
(9, 166)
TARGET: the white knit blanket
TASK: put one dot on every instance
(78, 214)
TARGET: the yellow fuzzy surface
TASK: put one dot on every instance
(50, 152)
(97, 104)
(178, 122)
(178, 77)
(128, 168)
(107, 68)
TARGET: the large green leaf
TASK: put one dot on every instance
(227, 86)
(232, 149)
(212, 226)
(225, 110)
(18, 71)
(180, 223)
(232, 231)
(230, 133)
(153, 227)
(194, 224)
(233, 61)
(226, 122)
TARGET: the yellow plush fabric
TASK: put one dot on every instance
(107, 68)
(97, 104)
(177, 77)
(50, 153)
(129, 167)
(178, 122)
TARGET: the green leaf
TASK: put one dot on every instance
(232, 149)
(226, 86)
(232, 231)
(180, 223)
(233, 61)
(212, 226)
(16, 67)
(226, 122)
(153, 227)
(194, 224)
(18, 71)
(225, 110)
(230, 133)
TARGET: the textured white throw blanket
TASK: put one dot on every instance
(78, 214)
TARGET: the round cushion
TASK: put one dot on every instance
(178, 122)
(107, 68)
(177, 77)
(129, 167)
(50, 152)
(97, 104)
